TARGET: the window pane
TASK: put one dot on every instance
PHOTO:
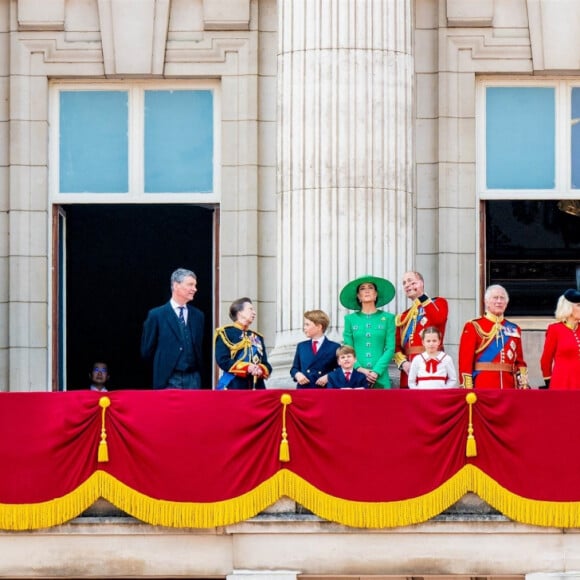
(533, 249)
(93, 142)
(575, 138)
(520, 138)
(178, 141)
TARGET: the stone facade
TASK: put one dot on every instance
(302, 81)
(348, 146)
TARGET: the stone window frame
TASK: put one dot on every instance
(136, 193)
(563, 176)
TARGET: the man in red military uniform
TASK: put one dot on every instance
(423, 312)
(490, 348)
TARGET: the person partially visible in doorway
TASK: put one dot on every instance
(490, 348)
(345, 376)
(433, 368)
(99, 375)
(423, 312)
(315, 357)
(240, 351)
(173, 335)
(560, 359)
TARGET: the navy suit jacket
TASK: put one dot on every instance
(313, 365)
(337, 380)
(161, 340)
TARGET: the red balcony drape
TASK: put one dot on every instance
(360, 458)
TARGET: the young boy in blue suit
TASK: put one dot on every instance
(346, 376)
(314, 357)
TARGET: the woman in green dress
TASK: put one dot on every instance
(369, 330)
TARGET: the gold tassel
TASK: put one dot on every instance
(471, 447)
(103, 453)
(284, 454)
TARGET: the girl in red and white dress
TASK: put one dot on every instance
(432, 369)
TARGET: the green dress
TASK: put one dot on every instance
(373, 338)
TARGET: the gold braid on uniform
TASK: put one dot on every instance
(245, 343)
(409, 318)
(487, 336)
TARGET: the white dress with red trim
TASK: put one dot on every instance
(429, 372)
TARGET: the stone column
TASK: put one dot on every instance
(345, 127)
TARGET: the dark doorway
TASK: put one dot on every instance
(119, 260)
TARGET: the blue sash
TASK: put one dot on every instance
(495, 345)
(411, 326)
(224, 381)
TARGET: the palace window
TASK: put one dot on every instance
(528, 181)
(143, 143)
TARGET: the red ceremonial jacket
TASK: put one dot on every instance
(491, 355)
(560, 360)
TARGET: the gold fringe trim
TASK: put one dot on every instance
(359, 514)
(553, 514)
(191, 514)
(34, 516)
(285, 483)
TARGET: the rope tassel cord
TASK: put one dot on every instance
(471, 447)
(103, 453)
(284, 454)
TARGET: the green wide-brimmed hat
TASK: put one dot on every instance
(385, 291)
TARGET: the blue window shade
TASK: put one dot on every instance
(575, 138)
(520, 138)
(94, 142)
(178, 141)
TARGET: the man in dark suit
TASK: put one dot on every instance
(315, 357)
(172, 336)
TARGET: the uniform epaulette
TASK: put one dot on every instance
(220, 330)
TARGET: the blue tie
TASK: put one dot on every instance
(181, 316)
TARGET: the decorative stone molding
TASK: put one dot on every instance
(214, 49)
(485, 52)
(56, 49)
(45, 15)
(469, 14)
(133, 35)
(555, 34)
(231, 15)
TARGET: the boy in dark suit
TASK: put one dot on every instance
(315, 357)
(346, 377)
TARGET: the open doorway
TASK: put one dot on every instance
(119, 259)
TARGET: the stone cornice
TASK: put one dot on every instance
(481, 50)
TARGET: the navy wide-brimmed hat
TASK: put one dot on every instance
(572, 295)
(385, 291)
